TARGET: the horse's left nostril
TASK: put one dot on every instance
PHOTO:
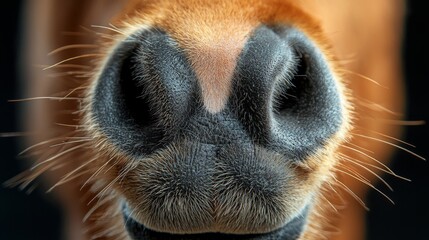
(285, 93)
(288, 92)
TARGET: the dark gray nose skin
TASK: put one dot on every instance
(284, 99)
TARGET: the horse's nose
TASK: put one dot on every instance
(283, 93)
(225, 171)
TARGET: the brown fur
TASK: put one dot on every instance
(361, 42)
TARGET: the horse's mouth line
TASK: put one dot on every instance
(137, 231)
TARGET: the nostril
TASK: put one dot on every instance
(287, 93)
(134, 94)
(143, 94)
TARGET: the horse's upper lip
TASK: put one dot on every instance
(138, 231)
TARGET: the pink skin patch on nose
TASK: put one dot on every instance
(214, 59)
(214, 66)
(212, 42)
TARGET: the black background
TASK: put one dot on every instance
(36, 216)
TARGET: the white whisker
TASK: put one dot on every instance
(391, 144)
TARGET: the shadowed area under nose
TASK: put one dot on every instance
(196, 188)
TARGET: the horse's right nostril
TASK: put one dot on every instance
(143, 93)
(135, 96)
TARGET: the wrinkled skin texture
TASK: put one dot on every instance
(246, 168)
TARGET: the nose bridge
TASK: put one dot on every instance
(212, 42)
